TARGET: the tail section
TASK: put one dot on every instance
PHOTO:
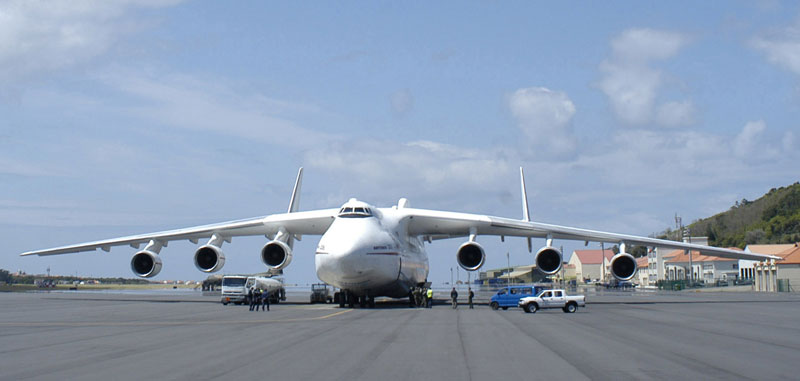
(526, 214)
(294, 203)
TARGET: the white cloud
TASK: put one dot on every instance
(747, 143)
(544, 116)
(632, 84)
(377, 169)
(673, 114)
(781, 46)
(196, 103)
(45, 35)
(644, 45)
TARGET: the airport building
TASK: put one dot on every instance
(707, 268)
(781, 275)
(515, 274)
(643, 276)
(591, 264)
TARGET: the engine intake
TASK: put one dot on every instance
(146, 264)
(470, 256)
(548, 260)
(276, 254)
(623, 266)
(209, 258)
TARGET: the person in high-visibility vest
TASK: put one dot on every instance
(429, 300)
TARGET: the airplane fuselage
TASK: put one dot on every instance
(371, 254)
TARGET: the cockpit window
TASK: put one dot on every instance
(355, 212)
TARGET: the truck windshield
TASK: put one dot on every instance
(233, 282)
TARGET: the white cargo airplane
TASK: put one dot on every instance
(367, 251)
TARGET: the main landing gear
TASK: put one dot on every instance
(346, 297)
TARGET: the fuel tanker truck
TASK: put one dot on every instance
(235, 288)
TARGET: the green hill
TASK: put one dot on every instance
(773, 218)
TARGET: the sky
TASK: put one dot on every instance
(134, 116)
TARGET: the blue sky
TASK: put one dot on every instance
(142, 115)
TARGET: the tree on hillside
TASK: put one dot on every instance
(5, 276)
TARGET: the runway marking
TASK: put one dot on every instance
(160, 323)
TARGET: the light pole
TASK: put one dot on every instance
(508, 277)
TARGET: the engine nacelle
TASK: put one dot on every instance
(209, 258)
(470, 256)
(548, 260)
(146, 264)
(623, 266)
(276, 255)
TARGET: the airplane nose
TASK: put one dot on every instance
(357, 269)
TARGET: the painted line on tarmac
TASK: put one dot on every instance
(161, 323)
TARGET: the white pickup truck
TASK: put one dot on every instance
(553, 299)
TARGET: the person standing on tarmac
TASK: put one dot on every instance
(256, 299)
(429, 299)
(251, 298)
(264, 300)
(454, 298)
(471, 295)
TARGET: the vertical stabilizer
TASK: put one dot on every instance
(294, 203)
(526, 213)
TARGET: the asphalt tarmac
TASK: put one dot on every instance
(631, 335)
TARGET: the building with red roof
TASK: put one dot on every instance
(707, 268)
(591, 264)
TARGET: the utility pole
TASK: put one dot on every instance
(691, 265)
(508, 277)
(679, 226)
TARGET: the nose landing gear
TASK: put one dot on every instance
(345, 297)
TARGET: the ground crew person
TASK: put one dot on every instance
(429, 294)
(256, 299)
(471, 295)
(454, 298)
(251, 298)
(264, 300)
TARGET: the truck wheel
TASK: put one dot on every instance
(224, 303)
(571, 308)
(494, 306)
(532, 307)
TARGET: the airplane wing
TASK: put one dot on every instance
(433, 224)
(296, 224)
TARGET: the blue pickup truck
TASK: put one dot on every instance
(510, 296)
